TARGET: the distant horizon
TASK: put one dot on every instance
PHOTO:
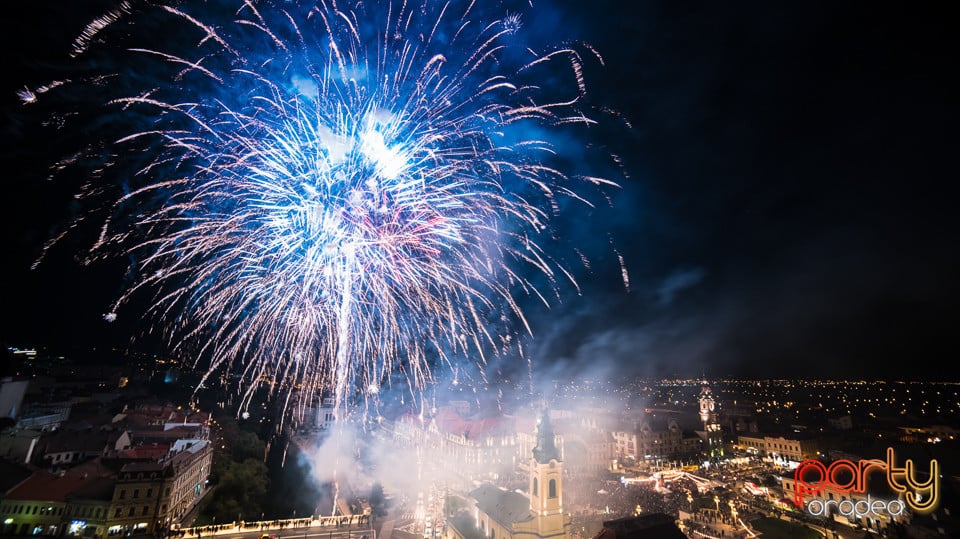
(623, 380)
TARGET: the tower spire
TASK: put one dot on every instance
(545, 449)
(546, 484)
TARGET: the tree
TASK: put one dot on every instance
(241, 491)
(239, 474)
(248, 446)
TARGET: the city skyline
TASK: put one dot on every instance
(613, 456)
(783, 212)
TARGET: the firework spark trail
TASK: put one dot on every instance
(321, 195)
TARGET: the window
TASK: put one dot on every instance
(117, 513)
(149, 492)
(534, 486)
(146, 510)
(123, 494)
(136, 493)
(131, 511)
(553, 488)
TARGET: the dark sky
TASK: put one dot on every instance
(789, 209)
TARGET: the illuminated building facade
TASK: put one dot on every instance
(783, 448)
(657, 440)
(478, 448)
(504, 514)
(143, 489)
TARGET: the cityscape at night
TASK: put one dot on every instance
(478, 270)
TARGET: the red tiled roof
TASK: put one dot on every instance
(92, 468)
(190, 417)
(47, 487)
(160, 437)
(449, 421)
(145, 452)
(181, 432)
(99, 488)
(526, 424)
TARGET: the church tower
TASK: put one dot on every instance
(711, 424)
(546, 483)
(708, 406)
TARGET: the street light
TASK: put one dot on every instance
(716, 500)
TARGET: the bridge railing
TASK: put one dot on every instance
(339, 521)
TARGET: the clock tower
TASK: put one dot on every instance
(711, 425)
(708, 406)
(546, 484)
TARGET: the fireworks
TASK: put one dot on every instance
(322, 195)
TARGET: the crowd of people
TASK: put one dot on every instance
(716, 513)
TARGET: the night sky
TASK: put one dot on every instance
(788, 209)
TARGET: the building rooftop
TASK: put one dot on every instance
(449, 421)
(145, 452)
(12, 474)
(97, 489)
(44, 486)
(647, 526)
(503, 506)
